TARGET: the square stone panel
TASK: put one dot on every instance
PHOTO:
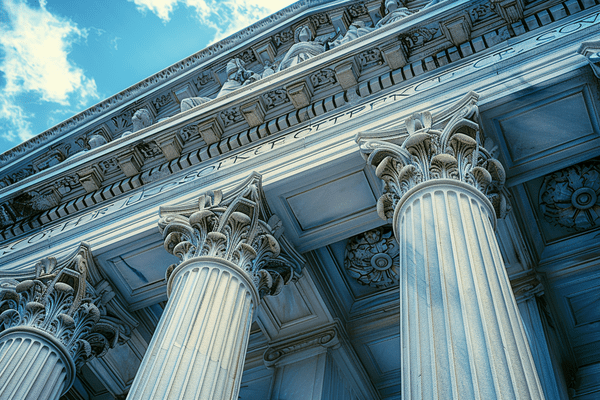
(332, 201)
(540, 129)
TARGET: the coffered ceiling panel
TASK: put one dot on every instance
(546, 128)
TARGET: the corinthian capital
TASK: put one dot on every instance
(232, 227)
(444, 146)
(61, 300)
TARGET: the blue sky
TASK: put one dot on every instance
(60, 57)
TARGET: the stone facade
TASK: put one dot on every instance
(346, 200)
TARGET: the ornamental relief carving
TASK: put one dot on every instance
(372, 258)
(323, 78)
(275, 98)
(570, 197)
(60, 301)
(446, 149)
(231, 228)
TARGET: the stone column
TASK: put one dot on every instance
(49, 325)
(230, 259)
(461, 334)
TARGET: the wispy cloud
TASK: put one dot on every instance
(35, 45)
(224, 16)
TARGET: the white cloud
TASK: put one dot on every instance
(224, 16)
(35, 46)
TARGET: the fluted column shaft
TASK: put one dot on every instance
(33, 366)
(199, 346)
(461, 334)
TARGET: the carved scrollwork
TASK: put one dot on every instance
(356, 10)
(275, 98)
(448, 149)
(162, 101)
(203, 79)
(419, 36)
(370, 58)
(571, 197)
(323, 78)
(319, 19)
(232, 229)
(372, 258)
(231, 116)
(283, 37)
(60, 301)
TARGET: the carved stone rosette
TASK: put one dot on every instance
(59, 311)
(449, 148)
(372, 258)
(571, 197)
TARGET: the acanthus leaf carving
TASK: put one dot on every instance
(446, 149)
(62, 301)
(232, 228)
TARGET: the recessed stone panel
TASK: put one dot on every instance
(386, 354)
(546, 127)
(585, 307)
(332, 201)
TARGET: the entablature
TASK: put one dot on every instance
(174, 144)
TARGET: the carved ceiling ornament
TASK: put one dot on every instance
(233, 228)
(571, 197)
(446, 148)
(61, 300)
(372, 258)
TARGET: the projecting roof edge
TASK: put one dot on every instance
(216, 49)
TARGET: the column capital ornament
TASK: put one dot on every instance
(233, 227)
(372, 258)
(68, 299)
(428, 147)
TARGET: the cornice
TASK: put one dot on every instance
(169, 133)
(186, 65)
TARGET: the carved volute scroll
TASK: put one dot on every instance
(427, 148)
(60, 301)
(233, 227)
